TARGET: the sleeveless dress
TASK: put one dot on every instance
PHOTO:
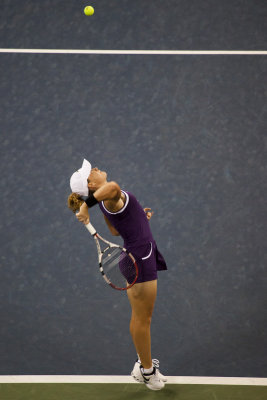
(133, 226)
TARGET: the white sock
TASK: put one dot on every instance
(148, 371)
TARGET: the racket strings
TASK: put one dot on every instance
(119, 267)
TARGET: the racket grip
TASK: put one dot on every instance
(91, 229)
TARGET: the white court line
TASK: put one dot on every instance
(189, 380)
(136, 52)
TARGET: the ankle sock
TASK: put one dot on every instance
(149, 371)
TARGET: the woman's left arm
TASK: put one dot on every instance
(148, 212)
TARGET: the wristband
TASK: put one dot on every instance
(91, 201)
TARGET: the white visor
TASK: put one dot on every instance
(78, 180)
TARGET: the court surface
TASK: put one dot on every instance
(122, 388)
(70, 391)
(171, 101)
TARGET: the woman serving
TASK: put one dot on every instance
(125, 217)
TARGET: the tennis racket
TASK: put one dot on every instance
(116, 264)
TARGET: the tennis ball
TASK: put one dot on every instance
(89, 10)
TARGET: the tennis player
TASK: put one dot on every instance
(125, 217)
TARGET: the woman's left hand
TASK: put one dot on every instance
(148, 212)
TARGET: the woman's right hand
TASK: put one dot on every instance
(83, 214)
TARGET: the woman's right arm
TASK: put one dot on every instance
(113, 231)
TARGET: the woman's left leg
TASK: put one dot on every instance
(142, 298)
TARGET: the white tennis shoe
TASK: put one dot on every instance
(152, 381)
(137, 374)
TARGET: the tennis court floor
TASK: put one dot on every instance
(85, 391)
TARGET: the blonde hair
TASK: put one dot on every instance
(74, 202)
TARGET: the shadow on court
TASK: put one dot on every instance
(129, 392)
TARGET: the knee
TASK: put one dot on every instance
(141, 320)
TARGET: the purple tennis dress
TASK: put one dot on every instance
(133, 226)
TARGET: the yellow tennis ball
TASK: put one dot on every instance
(89, 10)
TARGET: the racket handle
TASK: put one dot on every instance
(91, 229)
